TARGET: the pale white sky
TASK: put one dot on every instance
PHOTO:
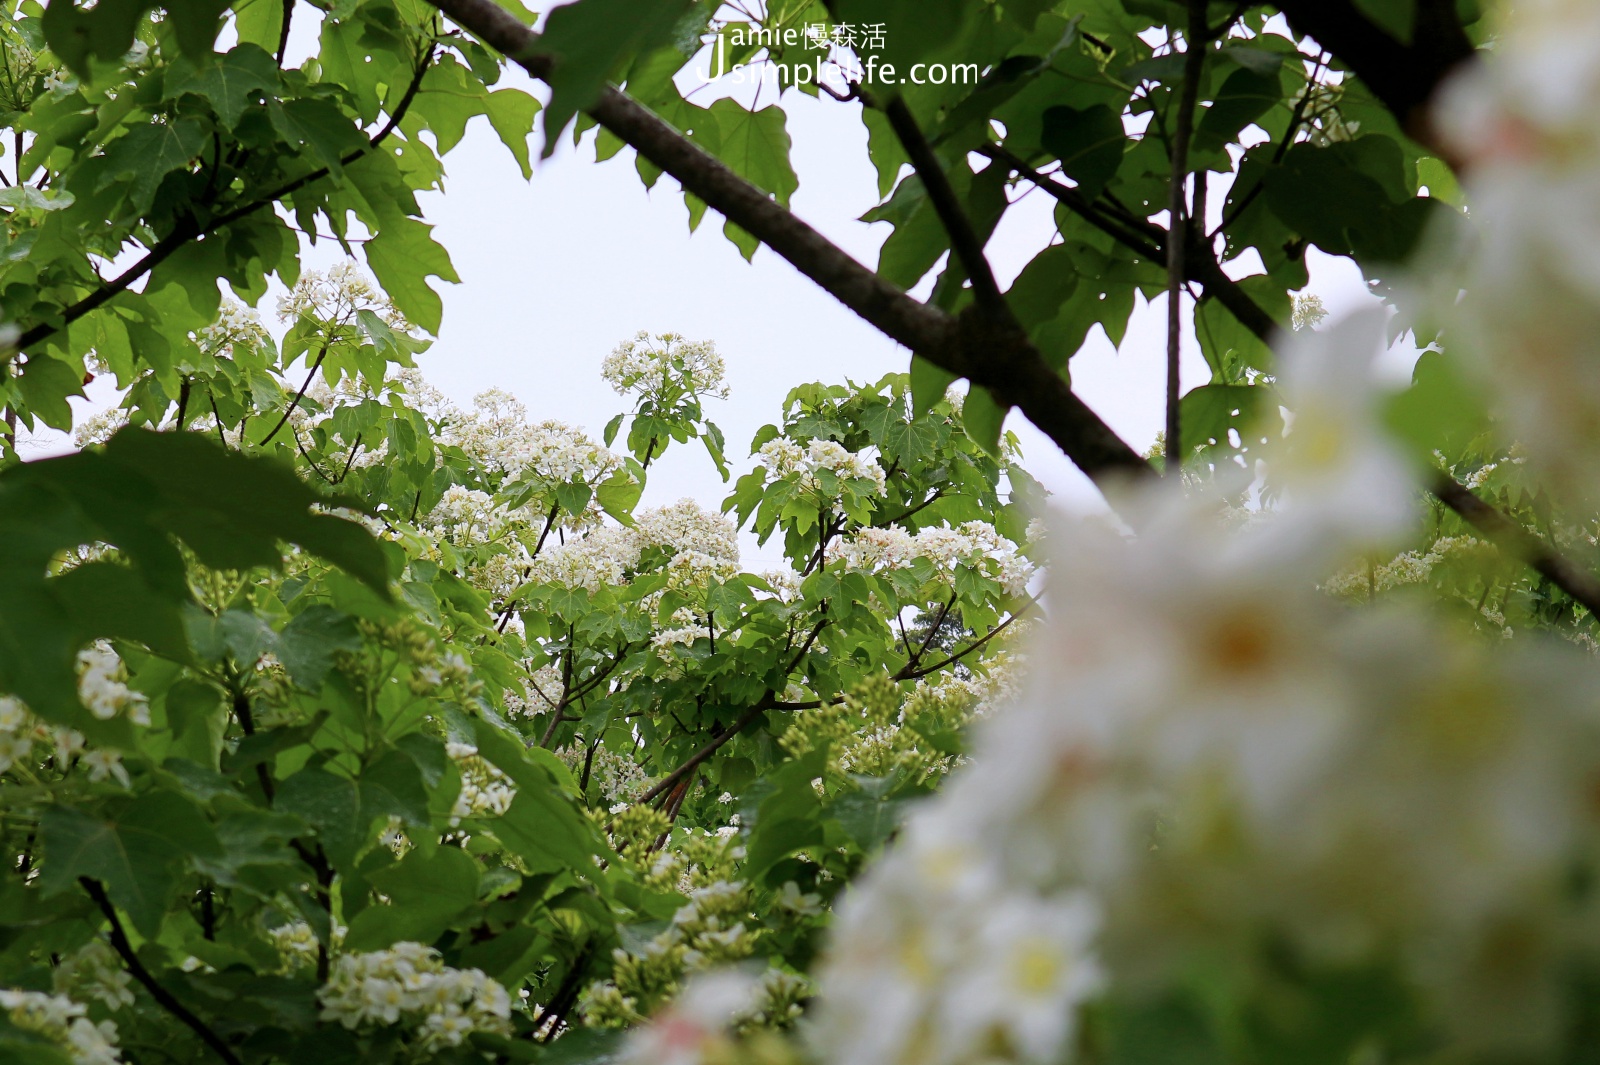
(557, 270)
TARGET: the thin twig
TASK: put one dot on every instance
(298, 396)
(910, 673)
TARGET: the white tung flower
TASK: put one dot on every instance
(63, 1022)
(101, 686)
(654, 366)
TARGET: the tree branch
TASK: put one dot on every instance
(1003, 362)
(298, 396)
(964, 240)
(912, 672)
(694, 760)
(164, 998)
(970, 346)
(1512, 537)
(283, 30)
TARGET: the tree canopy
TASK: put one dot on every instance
(339, 721)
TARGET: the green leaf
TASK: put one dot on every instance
(756, 145)
(543, 826)
(591, 41)
(317, 124)
(511, 113)
(308, 645)
(983, 419)
(229, 82)
(146, 154)
(1243, 98)
(45, 384)
(1394, 17)
(104, 31)
(1443, 409)
(137, 853)
(619, 493)
(1439, 179)
(332, 806)
(427, 889)
(869, 819)
(1089, 144)
(29, 198)
(404, 255)
(392, 786)
(1207, 413)
(928, 384)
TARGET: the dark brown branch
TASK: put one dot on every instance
(307, 456)
(1510, 536)
(938, 494)
(349, 459)
(1138, 240)
(765, 703)
(283, 30)
(298, 396)
(964, 240)
(136, 969)
(505, 613)
(566, 996)
(709, 749)
(933, 631)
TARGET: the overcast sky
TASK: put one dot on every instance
(557, 270)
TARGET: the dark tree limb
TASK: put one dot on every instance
(1507, 534)
(164, 998)
(964, 240)
(665, 783)
(283, 30)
